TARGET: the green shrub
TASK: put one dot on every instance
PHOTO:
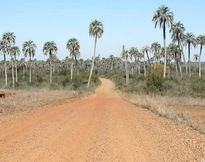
(198, 86)
(154, 83)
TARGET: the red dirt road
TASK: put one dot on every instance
(102, 127)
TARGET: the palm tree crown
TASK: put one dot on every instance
(3, 47)
(190, 39)
(177, 31)
(163, 16)
(15, 51)
(29, 48)
(155, 48)
(201, 40)
(175, 51)
(96, 29)
(133, 52)
(50, 48)
(73, 46)
(9, 38)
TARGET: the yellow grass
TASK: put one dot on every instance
(179, 109)
(28, 99)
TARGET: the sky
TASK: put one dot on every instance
(126, 22)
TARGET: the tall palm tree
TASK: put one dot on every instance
(29, 50)
(50, 48)
(163, 17)
(125, 56)
(189, 40)
(73, 47)
(8, 40)
(201, 42)
(14, 52)
(177, 30)
(95, 30)
(145, 50)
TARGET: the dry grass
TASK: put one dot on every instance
(183, 110)
(29, 99)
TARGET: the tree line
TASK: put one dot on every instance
(8, 48)
(164, 18)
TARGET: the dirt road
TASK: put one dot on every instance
(102, 127)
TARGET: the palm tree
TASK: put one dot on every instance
(200, 41)
(14, 52)
(73, 47)
(175, 52)
(125, 56)
(177, 31)
(134, 53)
(163, 17)
(189, 40)
(23, 65)
(3, 50)
(29, 49)
(139, 56)
(145, 50)
(155, 48)
(95, 30)
(8, 40)
(51, 49)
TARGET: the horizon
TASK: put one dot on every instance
(125, 23)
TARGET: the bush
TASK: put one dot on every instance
(198, 86)
(154, 83)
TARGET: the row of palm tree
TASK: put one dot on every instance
(7, 47)
(163, 17)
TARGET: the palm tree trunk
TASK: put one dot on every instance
(139, 65)
(177, 72)
(185, 63)
(200, 61)
(180, 69)
(16, 70)
(23, 72)
(148, 58)
(30, 71)
(71, 71)
(12, 73)
(127, 72)
(93, 61)
(165, 51)
(5, 71)
(189, 61)
(76, 66)
(145, 71)
(50, 71)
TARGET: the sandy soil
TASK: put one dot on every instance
(102, 127)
